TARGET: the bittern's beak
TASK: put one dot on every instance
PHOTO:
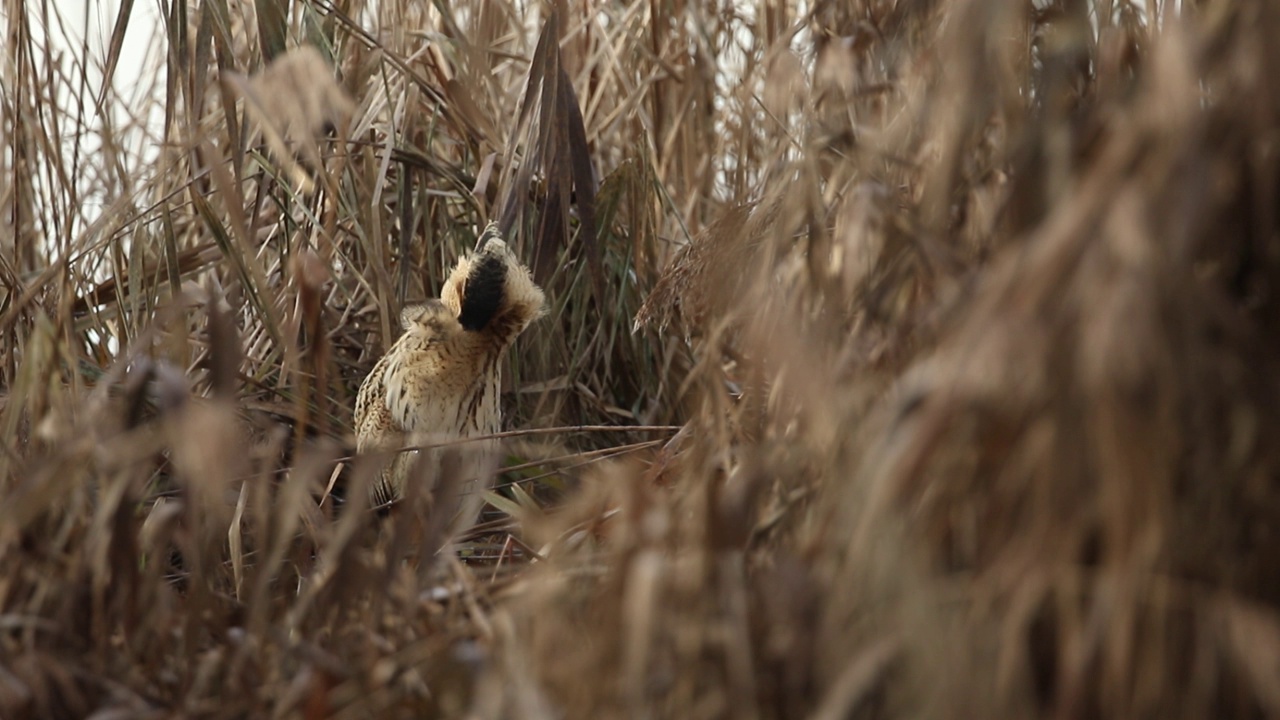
(490, 232)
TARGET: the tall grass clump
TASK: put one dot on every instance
(904, 359)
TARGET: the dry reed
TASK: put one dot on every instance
(965, 314)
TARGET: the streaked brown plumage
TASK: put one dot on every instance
(442, 378)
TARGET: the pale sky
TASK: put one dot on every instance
(136, 107)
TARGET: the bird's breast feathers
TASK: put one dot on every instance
(437, 389)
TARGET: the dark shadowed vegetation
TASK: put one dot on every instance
(903, 359)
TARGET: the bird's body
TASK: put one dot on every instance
(441, 380)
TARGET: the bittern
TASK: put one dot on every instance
(441, 379)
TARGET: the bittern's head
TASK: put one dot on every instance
(492, 291)
(432, 320)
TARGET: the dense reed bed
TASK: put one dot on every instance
(903, 359)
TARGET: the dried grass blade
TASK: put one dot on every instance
(113, 50)
(273, 25)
